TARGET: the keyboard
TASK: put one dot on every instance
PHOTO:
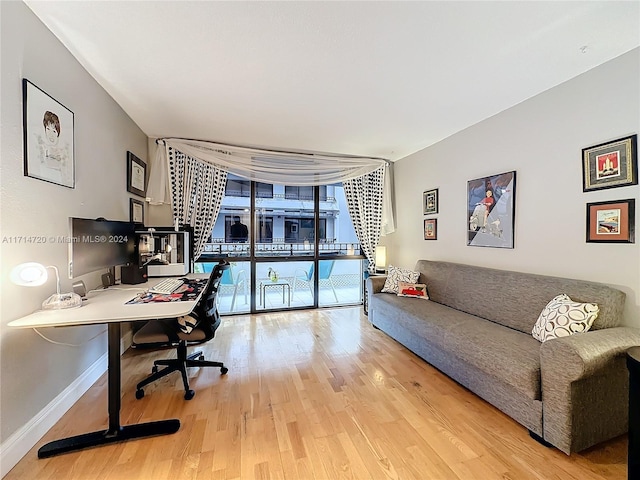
(167, 286)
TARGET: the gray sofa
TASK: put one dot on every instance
(570, 392)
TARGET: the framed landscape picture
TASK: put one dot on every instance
(611, 222)
(48, 137)
(611, 164)
(491, 205)
(430, 202)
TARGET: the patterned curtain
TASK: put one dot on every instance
(364, 200)
(197, 189)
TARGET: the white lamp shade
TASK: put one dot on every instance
(30, 274)
(381, 257)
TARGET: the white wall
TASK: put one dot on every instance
(541, 139)
(33, 371)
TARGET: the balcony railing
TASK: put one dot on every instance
(279, 249)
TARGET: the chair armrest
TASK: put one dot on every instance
(301, 274)
(585, 387)
(241, 277)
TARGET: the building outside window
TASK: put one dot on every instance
(239, 187)
(304, 193)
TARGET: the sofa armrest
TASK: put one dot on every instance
(375, 284)
(585, 387)
(582, 355)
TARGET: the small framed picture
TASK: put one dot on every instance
(430, 202)
(610, 165)
(611, 222)
(48, 137)
(136, 175)
(136, 211)
(431, 229)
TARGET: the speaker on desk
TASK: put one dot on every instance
(133, 274)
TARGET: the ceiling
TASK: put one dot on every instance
(382, 79)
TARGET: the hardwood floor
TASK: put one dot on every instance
(310, 395)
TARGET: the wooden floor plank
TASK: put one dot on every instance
(313, 395)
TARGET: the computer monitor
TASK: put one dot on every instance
(99, 244)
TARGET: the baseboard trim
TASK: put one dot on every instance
(19, 443)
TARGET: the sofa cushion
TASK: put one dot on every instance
(395, 275)
(505, 353)
(428, 320)
(563, 317)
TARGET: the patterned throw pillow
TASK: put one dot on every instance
(396, 275)
(413, 290)
(563, 317)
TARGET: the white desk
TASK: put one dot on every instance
(109, 307)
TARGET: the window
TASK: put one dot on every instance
(264, 190)
(265, 230)
(235, 230)
(238, 187)
(284, 225)
(304, 193)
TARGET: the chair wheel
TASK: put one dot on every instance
(189, 394)
(154, 369)
(139, 394)
(223, 370)
(201, 358)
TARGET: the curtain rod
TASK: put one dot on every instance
(389, 162)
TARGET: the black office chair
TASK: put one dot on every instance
(167, 333)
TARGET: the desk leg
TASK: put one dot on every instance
(116, 432)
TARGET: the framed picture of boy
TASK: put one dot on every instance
(491, 211)
(48, 137)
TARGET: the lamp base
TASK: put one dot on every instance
(59, 301)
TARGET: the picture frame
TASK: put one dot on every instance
(48, 129)
(611, 221)
(430, 202)
(136, 175)
(136, 211)
(610, 165)
(431, 229)
(491, 203)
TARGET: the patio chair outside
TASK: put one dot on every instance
(231, 277)
(324, 273)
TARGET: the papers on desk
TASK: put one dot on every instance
(187, 292)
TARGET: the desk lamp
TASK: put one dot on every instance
(32, 274)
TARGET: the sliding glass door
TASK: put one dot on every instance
(289, 247)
